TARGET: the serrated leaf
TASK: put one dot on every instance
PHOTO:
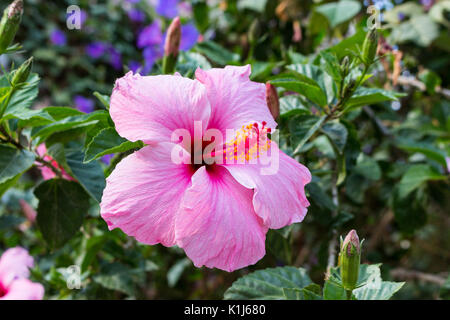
(14, 162)
(302, 128)
(90, 175)
(61, 210)
(268, 284)
(22, 98)
(292, 104)
(415, 176)
(175, 272)
(68, 123)
(368, 96)
(340, 11)
(216, 52)
(108, 141)
(337, 134)
(384, 292)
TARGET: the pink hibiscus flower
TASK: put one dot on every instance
(48, 173)
(14, 273)
(218, 213)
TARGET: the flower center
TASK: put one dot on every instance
(245, 146)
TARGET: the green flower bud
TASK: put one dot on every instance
(350, 88)
(21, 75)
(349, 260)
(370, 45)
(345, 66)
(10, 23)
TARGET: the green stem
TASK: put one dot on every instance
(5, 104)
(349, 294)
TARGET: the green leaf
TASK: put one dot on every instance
(369, 286)
(368, 168)
(200, 10)
(175, 272)
(311, 91)
(14, 162)
(385, 291)
(108, 141)
(313, 74)
(104, 99)
(302, 128)
(61, 210)
(4, 186)
(216, 52)
(68, 123)
(90, 175)
(410, 212)
(22, 98)
(310, 292)
(420, 29)
(333, 291)
(415, 176)
(268, 284)
(339, 12)
(117, 277)
(428, 149)
(189, 61)
(346, 46)
(331, 64)
(337, 134)
(256, 5)
(292, 104)
(368, 96)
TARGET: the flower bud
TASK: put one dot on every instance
(272, 100)
(349, 260)
(173, 38)
(10, 23)
(350, 88)
(345, 65)
(21, 75)
(370, 46)
(172, 46)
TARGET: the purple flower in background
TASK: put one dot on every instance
(401, 16)
(189, 36)
(96, 49)
(136, 15)
(58, 37)
(107, 158)
(134, 66)
(167, 8)
(133, 1)
(84, 104)
(150, 35)
(115, 58)
(151, 54)
(427, 4)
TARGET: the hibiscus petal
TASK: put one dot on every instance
(24, 289)
(235, 100)
(216, 225)
(143, 194)
(14, 263)
(279, 197)
(150, 108)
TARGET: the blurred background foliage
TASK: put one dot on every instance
(396, 189)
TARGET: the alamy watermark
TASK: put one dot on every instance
(74, 17)
(249, 145)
